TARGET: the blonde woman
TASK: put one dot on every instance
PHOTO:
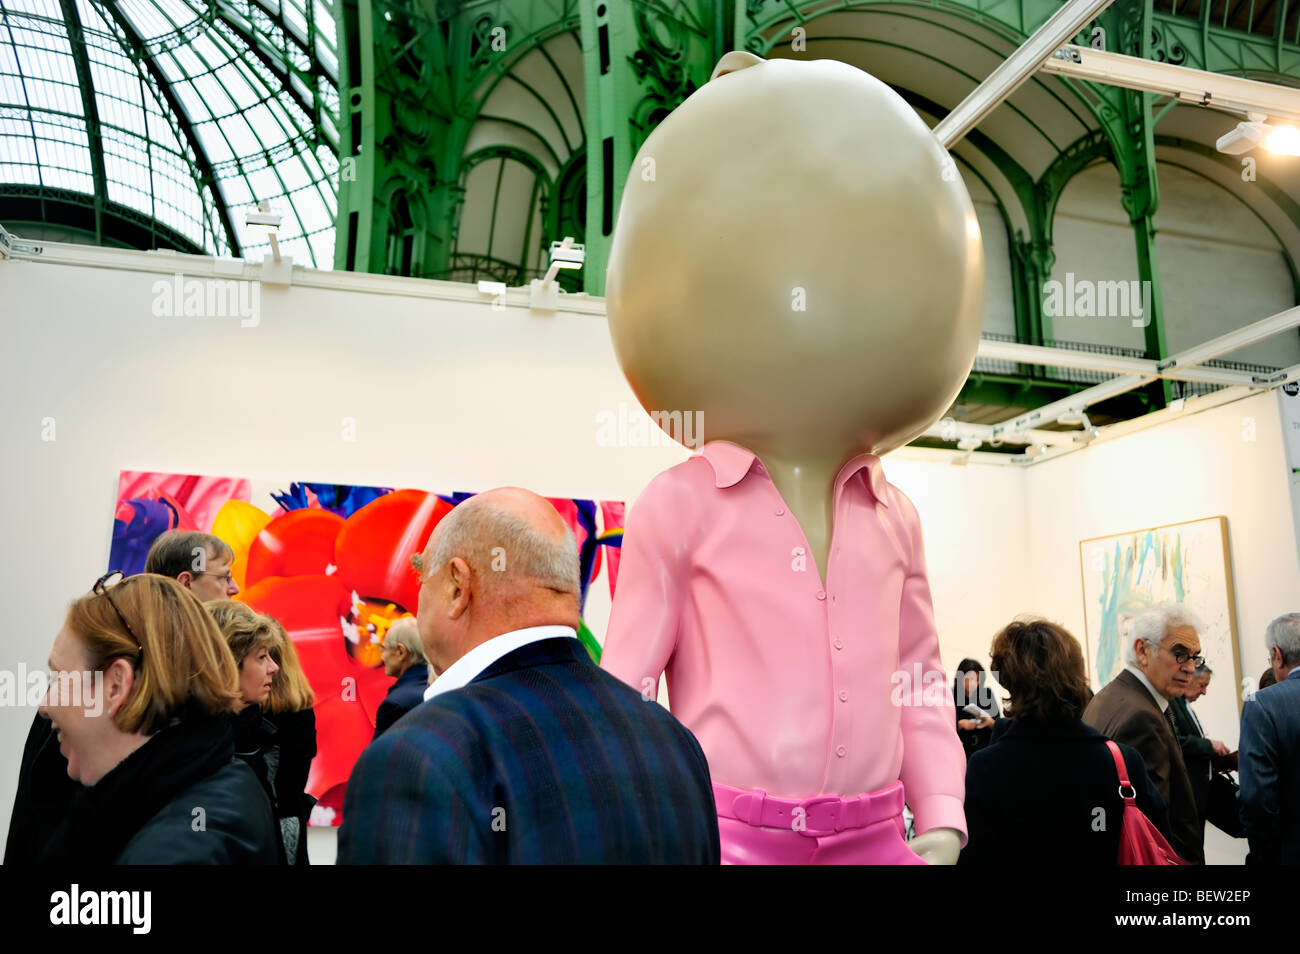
(251, 638)
(289, 709)
(142, 691)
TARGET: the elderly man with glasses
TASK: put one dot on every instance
(1162, 652)
(403, 658)
(1270, 753)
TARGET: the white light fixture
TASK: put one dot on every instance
(494, 289)
(566, 254)
(1034, 451)
(263, 221)
(1255, 132)
(545, 290)
(277, 269)
(1075, 416)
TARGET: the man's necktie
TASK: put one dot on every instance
(1169, 717)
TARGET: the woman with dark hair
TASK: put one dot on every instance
(140, 703)
(977, 710)
(1047, 792)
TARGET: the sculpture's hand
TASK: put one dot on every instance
(939, 846)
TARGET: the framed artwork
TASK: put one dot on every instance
(1126, 573)
(332, 563)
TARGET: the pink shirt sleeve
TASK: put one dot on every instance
(643, 618)
(934, 765)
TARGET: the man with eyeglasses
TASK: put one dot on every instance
(1205, 758)
(403, 658)
(1161, 654)
(197, 561)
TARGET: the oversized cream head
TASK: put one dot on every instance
(796, 258)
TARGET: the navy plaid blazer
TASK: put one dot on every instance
(543, 758)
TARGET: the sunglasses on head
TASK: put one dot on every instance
(103, 587)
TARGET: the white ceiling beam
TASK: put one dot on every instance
(1110, 363)
(1256, 331)
(1065, 358)
(1231, 94)
(1048, 413)
(1063, 25)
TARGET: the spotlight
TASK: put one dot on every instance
(545, 292)
(1242, 139)
(1075, 416)
(275, 269)
(1280, 140)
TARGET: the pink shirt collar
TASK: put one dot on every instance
(731, 463)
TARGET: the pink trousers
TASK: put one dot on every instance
(756, 829)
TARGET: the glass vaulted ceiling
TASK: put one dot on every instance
(203, 108)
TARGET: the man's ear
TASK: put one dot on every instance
(186, 579)
(1141, 650)
(734, 61)
(458, 587)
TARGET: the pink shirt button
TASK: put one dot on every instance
(780, 511)
(844, 695)
(839, 644)
(841, 751)
(821, 594)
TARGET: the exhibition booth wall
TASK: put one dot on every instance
(405, 383)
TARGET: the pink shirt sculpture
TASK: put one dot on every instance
(796, 263)
(788, 684)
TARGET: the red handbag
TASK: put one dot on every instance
(1140, 842)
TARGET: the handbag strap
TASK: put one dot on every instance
(1122, 770)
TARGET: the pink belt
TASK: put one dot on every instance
(820, 816)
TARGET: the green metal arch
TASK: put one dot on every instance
(1275, 194)
(1076, 157)
(541, 180)
(975, 81)
(958, 12)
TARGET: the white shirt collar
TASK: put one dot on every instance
(1161, 701)
(465, 669)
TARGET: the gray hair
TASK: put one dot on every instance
(405, 632)
(1152, 625)
(501, 548)
(1284, 633)
(1202, 672)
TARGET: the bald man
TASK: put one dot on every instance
(524, 751)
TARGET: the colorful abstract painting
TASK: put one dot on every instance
(1184, 563)
(332, 563)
